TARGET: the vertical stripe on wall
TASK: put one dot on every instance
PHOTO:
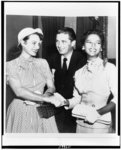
(14, 23)
(35, 21)
(83, 25)
(50, 26)
(40, 26)
(70, 22)
(111, 47)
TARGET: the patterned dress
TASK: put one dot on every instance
(93, 85)
(23, 115)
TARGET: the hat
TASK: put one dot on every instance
(27, 31)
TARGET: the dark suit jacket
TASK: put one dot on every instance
(64, 85)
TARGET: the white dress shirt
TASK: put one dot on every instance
(68, 59)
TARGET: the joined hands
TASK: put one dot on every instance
(56, 99)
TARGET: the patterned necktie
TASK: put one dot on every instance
(64, 65)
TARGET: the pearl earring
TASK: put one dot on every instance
(83, 48)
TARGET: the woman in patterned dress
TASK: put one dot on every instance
(93, 84)
(28, 76)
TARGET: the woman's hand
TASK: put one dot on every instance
(56, 100)
(86, 112)
(47, 94)
(61, 100)
(52, 100)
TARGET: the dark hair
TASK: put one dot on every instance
(97, 32)
(40, 36)
(101, 35)
(69, 31)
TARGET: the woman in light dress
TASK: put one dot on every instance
(93, 84)
(28, 76)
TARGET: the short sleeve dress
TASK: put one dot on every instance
(22, 115)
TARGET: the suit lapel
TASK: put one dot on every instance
(58, 62)
(72, 62)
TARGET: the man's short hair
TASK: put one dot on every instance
(69, 31)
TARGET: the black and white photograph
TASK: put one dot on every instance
(61, 66)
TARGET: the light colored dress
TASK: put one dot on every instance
(23, 115)
(93, 85)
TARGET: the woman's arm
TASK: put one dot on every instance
(112, 79)
(70, 103)
(49, 79)
(109, 107)
(50, 88)
(23, 92)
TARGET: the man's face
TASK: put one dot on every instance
(64, 44)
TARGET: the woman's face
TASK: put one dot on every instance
(92, 45)
(32, 45)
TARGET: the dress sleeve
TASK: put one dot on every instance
(10, 71)
(113, 83)
(46, 70)
(76, 96)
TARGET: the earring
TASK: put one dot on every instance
(83, 48)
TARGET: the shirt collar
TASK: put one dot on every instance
(68, 59)
(94, 65)
(25, 63)
(68, 56)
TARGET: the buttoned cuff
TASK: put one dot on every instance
(72, 102)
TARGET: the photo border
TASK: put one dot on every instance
(2, 79)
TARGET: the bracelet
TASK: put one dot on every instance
(66, 103)
(49, 93)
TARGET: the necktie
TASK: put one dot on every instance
(64, 65)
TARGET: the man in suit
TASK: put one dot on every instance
(63, 65)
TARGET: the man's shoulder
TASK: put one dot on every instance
(80, 56)
(54, 57)
(79, 59)
(79, 53)
(53, 60)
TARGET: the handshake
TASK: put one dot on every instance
(56, 99)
